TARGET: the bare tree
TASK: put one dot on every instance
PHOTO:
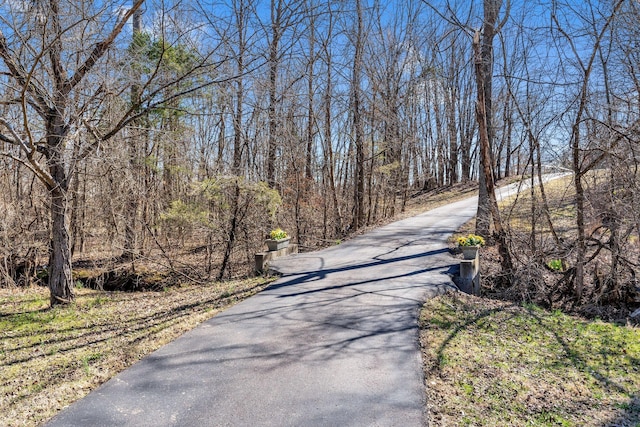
(241, 15)
(329, 160)
(130, 249)
(358, 113)
(483, 59)
(45, 84)
(586, 66)
(63, 87)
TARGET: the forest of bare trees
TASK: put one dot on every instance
(178, 133)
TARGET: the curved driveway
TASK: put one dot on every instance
(333, 342)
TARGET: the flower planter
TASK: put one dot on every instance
(276, 245)
(470, 252)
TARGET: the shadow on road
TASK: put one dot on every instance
(292, 279)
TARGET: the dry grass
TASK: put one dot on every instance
(546, 258)
(494, 363)
(52, 357)
(518, 213)
(486, 362)
(560, 193)
(500, 363)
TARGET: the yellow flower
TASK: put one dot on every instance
(278, 234)
(471, 240)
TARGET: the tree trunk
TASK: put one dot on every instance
(75, 211)
(328, 138)
(483, 58)
(310, 110)
(358, 218)
(576, 149)
(274, 61)
(233, 228)
(485, 154)
(440, 143)
(238, 140)
(45, 98)
(450, 99)
(130, 249)
(580, 224)
(483, 214)
(60, 277)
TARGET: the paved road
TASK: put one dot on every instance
(334, 342)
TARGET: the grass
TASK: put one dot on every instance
(560, 196)
(560, 193)
(498, 363)
(52, 357)
(487, 363)
(494, 363)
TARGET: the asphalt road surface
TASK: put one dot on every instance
(333, 342)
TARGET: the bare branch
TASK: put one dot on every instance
(8, 140)
(100, 49)
(507, 12)
(452, 18)
(22, 76)
(35, 167)
(16, 138)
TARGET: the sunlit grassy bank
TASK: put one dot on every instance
(493, 363)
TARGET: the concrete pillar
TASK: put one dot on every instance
(262, 258)
(470, 275)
